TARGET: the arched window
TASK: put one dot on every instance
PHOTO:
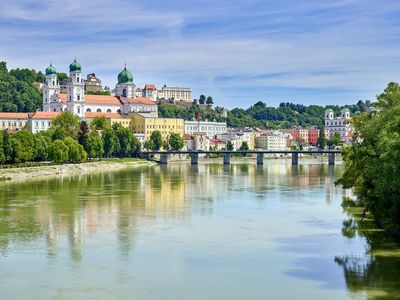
(54, 109)
(79, 110)
(108, 110)
(119, 111)
(98, 110)
(88, 110)
(79, 97)
(124, 92)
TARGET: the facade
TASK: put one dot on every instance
(211, 129)
(41, 121)
(274, 141)
(124, 101)
(92, 83)
(237, 138)
(112, 118)
(341, 124)
(175, 93)
(13, 121)
(147, 124)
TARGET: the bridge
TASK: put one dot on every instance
(194, 155)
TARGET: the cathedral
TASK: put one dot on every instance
(123, 102)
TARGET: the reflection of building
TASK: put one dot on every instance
(144, 124)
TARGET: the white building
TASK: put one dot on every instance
(237, 138)
(342, 124)
(125, 100)
(211, 129)
(175, 93)
(274, 141)
(41, 121)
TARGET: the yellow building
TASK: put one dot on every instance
(13, 121)
(112, 118)
(142, 124)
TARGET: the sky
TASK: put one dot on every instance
(239, 52)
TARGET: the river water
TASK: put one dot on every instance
(190, 232)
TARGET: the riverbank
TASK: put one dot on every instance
(105, 165)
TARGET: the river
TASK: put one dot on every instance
(190, 232)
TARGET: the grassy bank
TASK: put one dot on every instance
(21, 173)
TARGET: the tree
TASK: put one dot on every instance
(129, 145)
(99, 123)
(165, 145)
(148, 145)
(156, 140)
(2, 154)
(7, 147)
(321, 138)
(93, 144)
(22, 144)
(372, 162)
(42, 144)
(244, 146)
(209, 100)
(334, 140)
(202, 99)
(76, 152)
(67, 122)
(229, 145)
(110, 142)
(176, 141)
(58, 151)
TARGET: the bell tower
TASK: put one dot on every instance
(75, 90)
(51, 89)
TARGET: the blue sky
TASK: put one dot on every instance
(239, 52)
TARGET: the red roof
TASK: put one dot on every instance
(187, 137)
(150, 87)
(92, 115)
(217, 141)
(45, 115)
(13, 115)
(141, 100)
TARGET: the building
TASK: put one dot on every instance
(13, 121)
(124, 101)
(112, 118)
(147, 124)
(41, 121)
(92, 83)
(175, 93)
(237, 138)
(211, 129)
(274, 141)
(342, 124)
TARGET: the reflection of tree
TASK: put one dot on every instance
(377, 273)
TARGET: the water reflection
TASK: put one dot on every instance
(276, 223)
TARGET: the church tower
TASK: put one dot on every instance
(125, 87)
(75, 90)
(51, 89)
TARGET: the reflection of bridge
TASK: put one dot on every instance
(194, 155)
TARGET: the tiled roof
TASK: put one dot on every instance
(96, 99)
(187, 137)
(13, 115)
(150, 87)
(92, 115)
(216, 141)
(141, 100)
(45, 115)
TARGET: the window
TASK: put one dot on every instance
(108, 110)
(79, 97)
(79, 110)
(124, 92)
(88, 110)
(98, 110)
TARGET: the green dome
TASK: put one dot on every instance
(125, 76)
(51, 70)
(74, 66)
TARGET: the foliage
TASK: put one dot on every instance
(105, 92)
(111, 142)
(17, 90)
(321, 138)
(229, 145)
(129, 145)
(156, 140)
(334, 140)
(244, 146)
(372, 162)
(176, 141)
(93, 144)
(67, 123)
(42, 144)
(22, 144)
(58, 151)
(202, 99)
(99, 123)
(209, 100)
(76, 152)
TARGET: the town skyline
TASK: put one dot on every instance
(280, 52)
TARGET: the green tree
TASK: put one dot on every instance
(156, 140)
(334, 140)
(2, 154)
(99, 123)
(229, 145)
(176, 141)
(76, 152)
(372, 162)
(321, 138)
(148, 145)
(110, 142)
(93, 144)
(209, 100)
(130, 146)
(67, 122)
(23, 146)
(42, 144)
(202, 99)
(58, 151)
(7, 147)
(244, 146)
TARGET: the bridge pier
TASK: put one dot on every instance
(260, 158)
(331, 159)
(295, 159)
(194, 158)
(164, 158)
(227, 159)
